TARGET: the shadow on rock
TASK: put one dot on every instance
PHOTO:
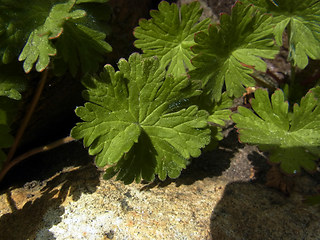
(252, 211)
(44, 165)
(260, 164)
(38, 203)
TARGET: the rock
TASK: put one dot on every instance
(221, 195)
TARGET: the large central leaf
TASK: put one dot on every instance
(229, 52)
(129, 122)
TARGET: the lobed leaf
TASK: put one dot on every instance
(78, 27)
(38, 47)
(12, 82)
(293, 139)
(302, 19)
(169, 35)
(17, 21)
(219, 113)
(316, 92)
(129, 124)
(229, 52)
(80, 47)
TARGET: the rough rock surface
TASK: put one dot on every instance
(221, 195)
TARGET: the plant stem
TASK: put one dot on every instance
(32, 152)
(28, 115)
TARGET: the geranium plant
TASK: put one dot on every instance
(163, 106)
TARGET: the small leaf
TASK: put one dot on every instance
(316, 92)
(219, 112)
(17, 21)
(293, 139)
(39, 47)
(12, 82)
(169, 35)
(129, 124)
(302, 17)
(8, 110)
(229, 52)
(80, 46)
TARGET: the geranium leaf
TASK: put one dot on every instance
(316, 92)
(128, 122)
(169, 35)
(81, 46)
(39, 47)
(229, 52)
(219, 113)
(78, 29)
(302, 18)
(12, 82)
(17, 21)
(293, 139)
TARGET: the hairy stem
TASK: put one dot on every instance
(32, 152)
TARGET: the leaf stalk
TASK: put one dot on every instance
(32, 152)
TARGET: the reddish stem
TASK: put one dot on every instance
(34, 151)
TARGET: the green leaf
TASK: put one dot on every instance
(80, 46)
(229, 52)
(302, 19)
(293, 139)
(169, 35)
(38, 22)
(316, 92)
(12, 82)
(128, 122)
(39, 47)
(8, 110)
(219, 112)
(17, 21)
